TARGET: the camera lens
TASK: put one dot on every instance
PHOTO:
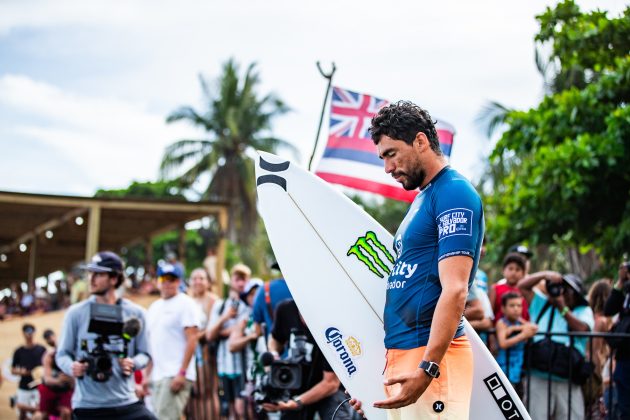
(104, 364)
(284, 376)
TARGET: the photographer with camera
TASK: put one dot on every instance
(101, 350)
(319, 389)
(557, 305)
(223, 319)
(619, 303)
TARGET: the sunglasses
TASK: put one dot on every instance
(169, 279)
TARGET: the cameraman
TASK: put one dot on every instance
(619, 303)
(320, 391)
(558, 300)
(115, 397)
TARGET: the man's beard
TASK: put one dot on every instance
(414, 180)
(100, 292)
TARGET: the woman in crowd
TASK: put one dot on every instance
(199, 290)
(597, 296)
(598, 351)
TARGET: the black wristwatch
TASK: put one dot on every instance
(298, 401)
(430, 368)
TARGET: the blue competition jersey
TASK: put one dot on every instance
(445, 219)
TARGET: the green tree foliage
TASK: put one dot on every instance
(561, 169)
(237, 121)
(160, 189)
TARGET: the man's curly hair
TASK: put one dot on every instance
(402, 121)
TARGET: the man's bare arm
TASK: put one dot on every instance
(454, 275)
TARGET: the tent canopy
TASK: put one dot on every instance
(40, 234)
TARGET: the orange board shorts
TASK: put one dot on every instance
(448, 396)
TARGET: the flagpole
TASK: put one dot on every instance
(328, 76)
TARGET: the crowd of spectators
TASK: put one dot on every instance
(527, 321)
(197, 343)
(210, 347)
(22, 299)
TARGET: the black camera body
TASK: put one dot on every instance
(105, 321)
(554, 289)
(99, 363)
(283, 377)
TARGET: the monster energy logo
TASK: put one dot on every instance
(365, 250)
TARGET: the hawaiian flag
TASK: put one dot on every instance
(350, 157)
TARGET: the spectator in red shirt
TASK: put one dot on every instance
(514, 266)
(55, 391)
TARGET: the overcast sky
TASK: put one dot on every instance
(85, 86)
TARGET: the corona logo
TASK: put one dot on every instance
(370, 251)
(354, 346)
(334, 339)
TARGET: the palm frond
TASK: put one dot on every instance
(491, 117)
(272, 144)
(188, 113)
(544, 66)
(204, 165)
(237, 119)
(181, 151)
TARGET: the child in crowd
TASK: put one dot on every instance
(513, 271)
(512, 333)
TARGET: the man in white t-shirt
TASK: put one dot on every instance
(172, 324)
(223, 319)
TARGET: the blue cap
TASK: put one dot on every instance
(167, 270)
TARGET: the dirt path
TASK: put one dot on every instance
(11, 338)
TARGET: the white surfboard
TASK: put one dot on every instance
(336, 259)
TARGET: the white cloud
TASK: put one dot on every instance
(111, 140)
(42, 13)
(131, 62)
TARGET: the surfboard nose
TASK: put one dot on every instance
(270, 169)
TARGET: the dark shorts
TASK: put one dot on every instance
(231, 387)
(135, 411)
(51, 401)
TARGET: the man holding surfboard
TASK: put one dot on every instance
(429, 361)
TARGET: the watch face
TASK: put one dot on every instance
(433, 369)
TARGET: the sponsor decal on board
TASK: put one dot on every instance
(348, 349)
(371, 252)
(503, 399)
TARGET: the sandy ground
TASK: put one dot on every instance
(11, 338)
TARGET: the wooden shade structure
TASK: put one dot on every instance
(40, 234)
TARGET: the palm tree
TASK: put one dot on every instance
(237, 121)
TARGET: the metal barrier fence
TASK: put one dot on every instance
(204, 399)
(594, 376)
